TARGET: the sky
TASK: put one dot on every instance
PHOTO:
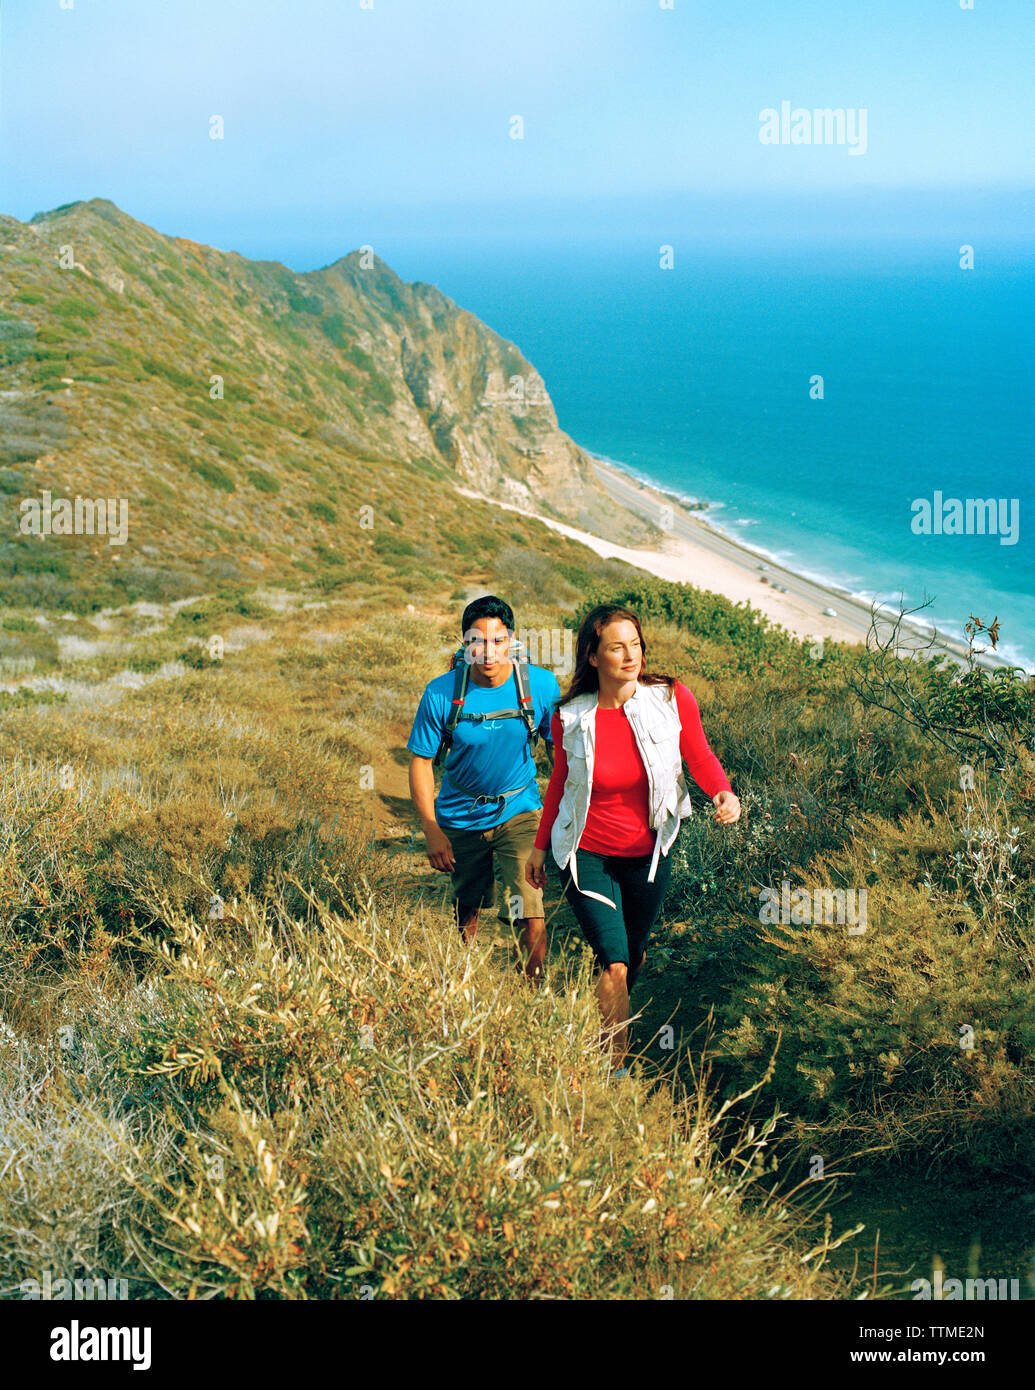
(345, 121)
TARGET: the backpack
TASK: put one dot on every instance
(461, 676)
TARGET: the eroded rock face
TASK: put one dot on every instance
(471, 397)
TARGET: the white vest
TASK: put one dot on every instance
(655, 724)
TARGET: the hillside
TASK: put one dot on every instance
(247, 414)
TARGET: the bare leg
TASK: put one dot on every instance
(613, 998)
(467, 922)
(531, 946)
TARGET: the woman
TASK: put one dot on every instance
(616, 798)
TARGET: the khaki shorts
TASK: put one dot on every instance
(509, 844)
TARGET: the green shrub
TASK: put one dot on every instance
(72, 307)
(225, 446)
(165, 371)
(387, 544)
(337, 330)
(16, 340)
(212, 472)
(361, 358)
(749, 636)
(873, 1048)
(380, 389)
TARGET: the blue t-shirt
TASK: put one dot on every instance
(489, 756)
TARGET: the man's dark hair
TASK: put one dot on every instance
(488, 606)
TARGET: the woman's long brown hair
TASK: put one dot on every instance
(584, 677)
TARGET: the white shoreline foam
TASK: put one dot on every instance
(851, 589)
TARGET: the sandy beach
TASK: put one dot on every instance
(695, 553)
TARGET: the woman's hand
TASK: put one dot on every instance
(727, 807)
(535, 868)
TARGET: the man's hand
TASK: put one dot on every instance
(727, 807)
(535, 868)
(422, 789)
(440, 851)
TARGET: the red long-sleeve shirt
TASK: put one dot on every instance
(619, 806)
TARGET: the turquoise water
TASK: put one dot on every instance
(698, 379)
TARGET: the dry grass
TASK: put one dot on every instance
(243, 1057)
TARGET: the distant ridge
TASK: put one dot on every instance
(117, 340)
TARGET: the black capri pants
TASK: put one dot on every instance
(617, 930)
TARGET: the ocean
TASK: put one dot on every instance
(698, 379)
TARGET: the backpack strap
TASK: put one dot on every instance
(524, 690)
(478, 800)
(482, 715)
(461, 676)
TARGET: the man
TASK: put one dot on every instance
(488, 804)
